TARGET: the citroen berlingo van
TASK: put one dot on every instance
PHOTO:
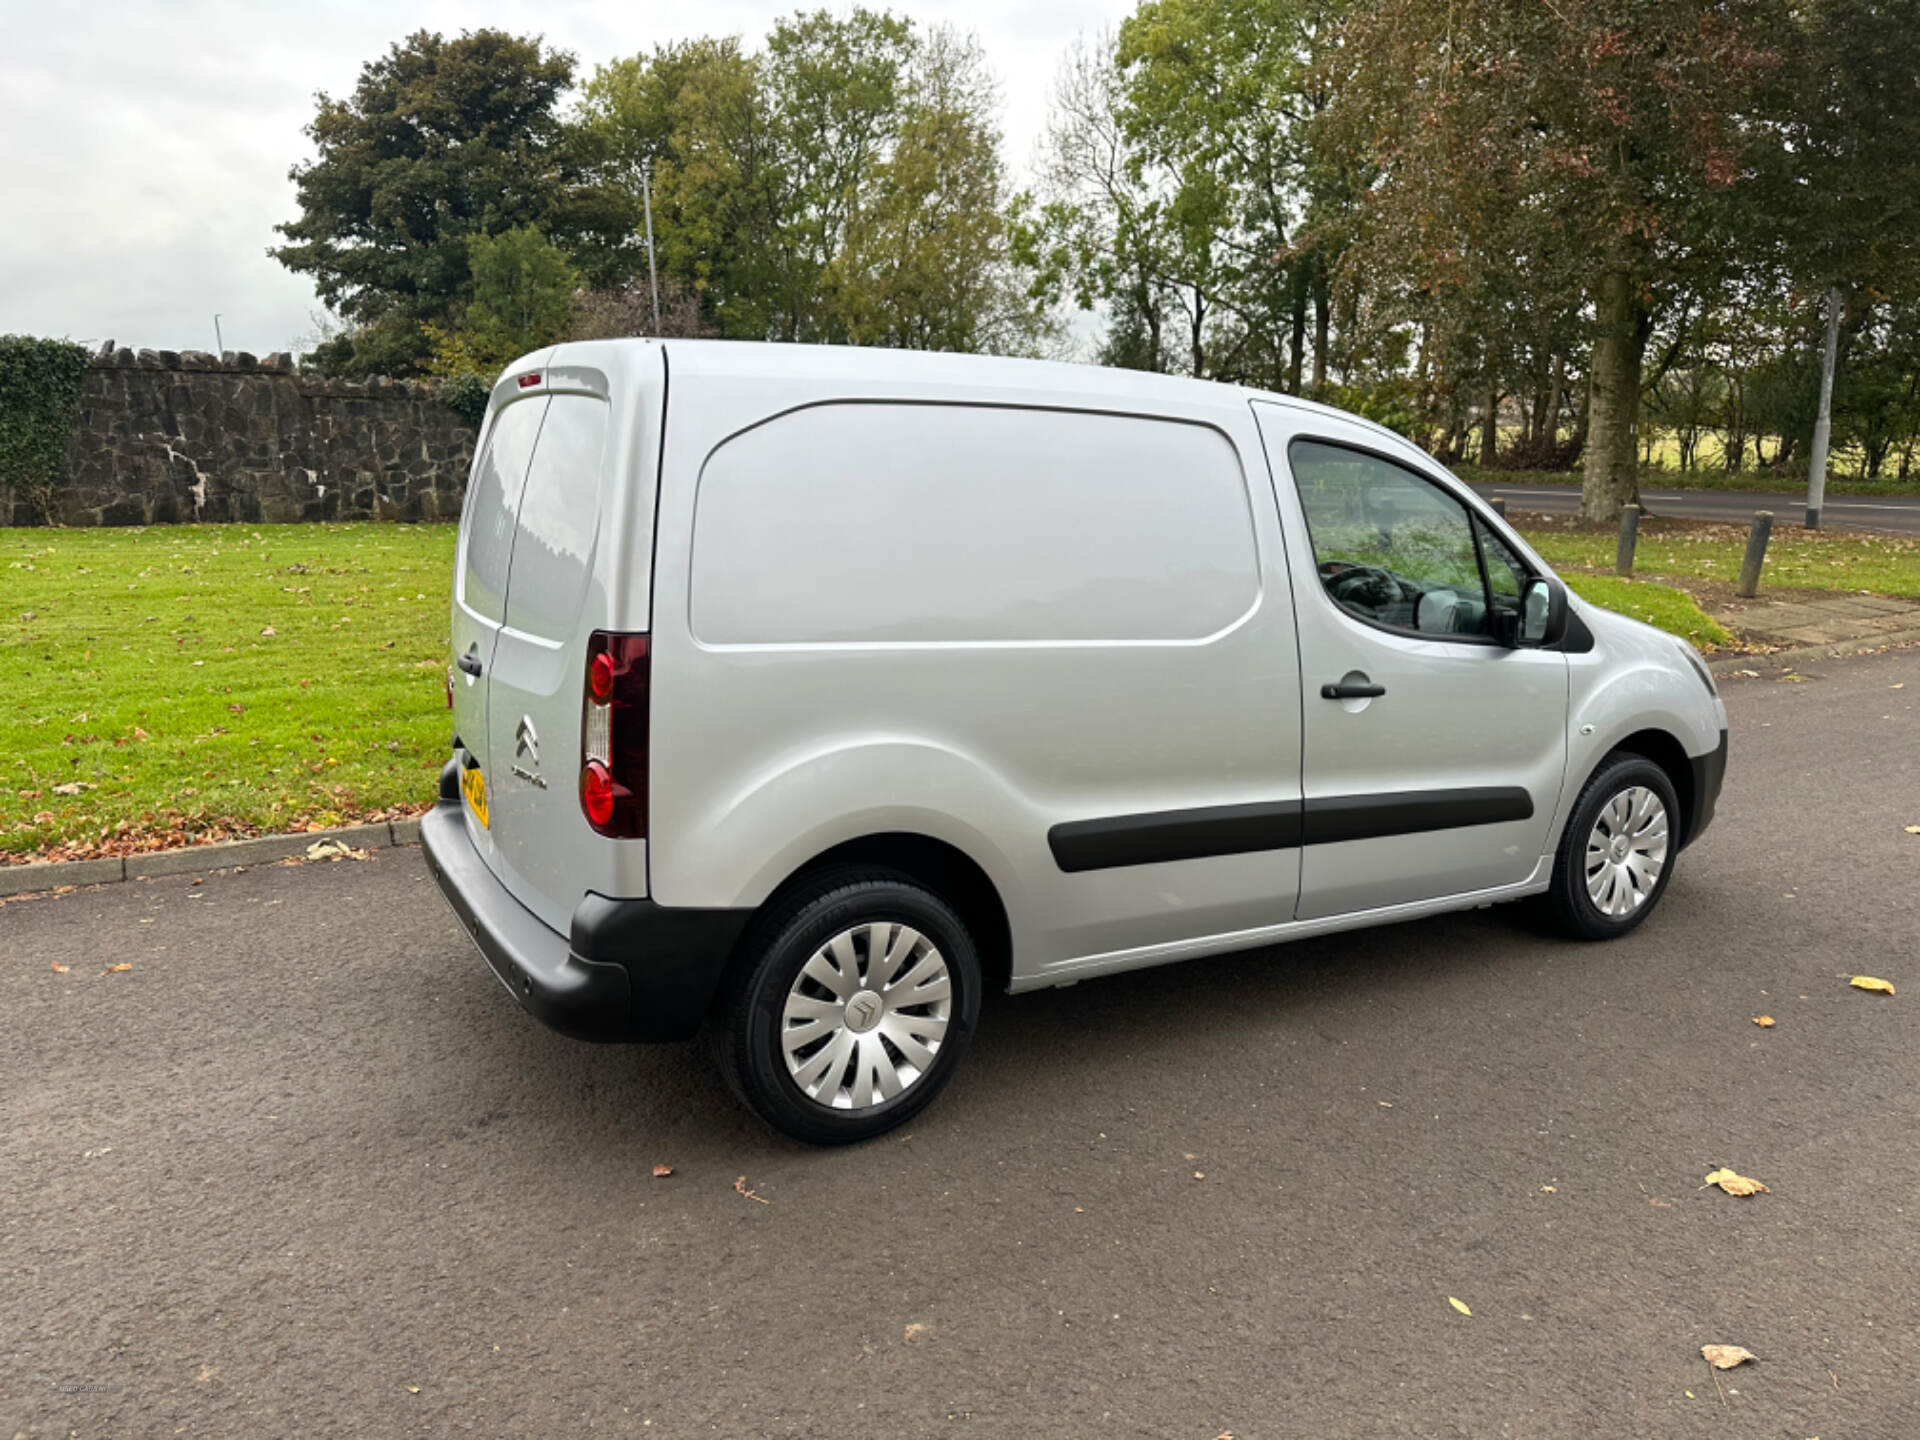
(800, 694)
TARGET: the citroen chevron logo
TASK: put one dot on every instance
(525, 741)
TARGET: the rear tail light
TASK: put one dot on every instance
(613, 735)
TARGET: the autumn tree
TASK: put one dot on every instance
(440, 141)
(1598, 140)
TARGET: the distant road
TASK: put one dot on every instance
(1897, 513)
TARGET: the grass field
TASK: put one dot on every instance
(1701, 550)
(1674, 611)
(1711, 477)
(186, 683)
(202, 682)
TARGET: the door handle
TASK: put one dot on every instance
(1352, 690)
(470, 662)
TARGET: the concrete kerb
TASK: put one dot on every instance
(199, 859)
(1864, 645)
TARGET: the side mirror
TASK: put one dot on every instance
(1543, 612)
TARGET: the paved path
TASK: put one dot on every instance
(1897, 513)
(306, 1170)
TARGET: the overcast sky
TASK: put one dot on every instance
(144, 147)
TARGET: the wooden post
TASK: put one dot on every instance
(1499, 503)
(1629, 537)
(1756, 554)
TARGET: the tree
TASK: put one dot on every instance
(522, 289)
(440, 141)
(925, 261)
(1224, 94)
(844, 184)
(696, 112)
(1593, 140)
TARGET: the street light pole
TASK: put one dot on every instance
(219, 345)
(1823, 423)
(653, 275)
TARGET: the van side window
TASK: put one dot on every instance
(913, 523)
(559, 515)
(486, 538)
(1389, 545)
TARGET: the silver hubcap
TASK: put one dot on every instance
(1626, 851)
(866, 1015)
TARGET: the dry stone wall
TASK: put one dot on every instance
(162, 436)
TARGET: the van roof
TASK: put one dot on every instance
(761, 359)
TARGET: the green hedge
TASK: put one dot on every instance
(39, 391)
(466, 395)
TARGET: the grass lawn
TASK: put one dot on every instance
(1711, 477)
(203, 682)
(1702, 550)
(1674, 611)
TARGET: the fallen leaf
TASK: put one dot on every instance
(1725, 1357)
(269, 631)
(59, 967)
(1913, 829)
(1868, 982)
(740, 1188)
(1735, 1184)
(116, 969)
(1199, 1174)
(917, 1331)
(72, 787)
(660, 1172)
(1548, 1190)
(334, 850)
(1765, 1022)
(413, 1389)
(1459, 1305)
(1750, 674)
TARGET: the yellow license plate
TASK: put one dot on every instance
(473, 785)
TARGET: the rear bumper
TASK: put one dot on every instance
(630, 969)
(1709, 773)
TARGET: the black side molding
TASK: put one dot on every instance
(1161, 836)
(1174, 835)
(1371, 817)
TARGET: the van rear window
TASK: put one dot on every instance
(559, 516)
(486, 532)
(863, 522)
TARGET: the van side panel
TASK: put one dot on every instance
(970, 523)
(974, 613)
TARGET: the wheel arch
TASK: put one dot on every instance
(1664, 749)
(943, 868)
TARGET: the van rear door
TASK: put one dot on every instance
(545, 852)
(481, 568)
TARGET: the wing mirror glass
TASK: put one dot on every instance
(1543, 612)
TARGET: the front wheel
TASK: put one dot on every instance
(1616, 854)
(855, 1002)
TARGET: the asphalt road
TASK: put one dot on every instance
(1897, 513)
(306, 1169)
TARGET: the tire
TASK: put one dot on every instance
(806, 965)
(1627, 852)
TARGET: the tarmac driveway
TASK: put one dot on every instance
(306, 1169)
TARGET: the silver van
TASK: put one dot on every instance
(802, 693)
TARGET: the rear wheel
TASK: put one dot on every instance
(854, 1003)
(1616, 854)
